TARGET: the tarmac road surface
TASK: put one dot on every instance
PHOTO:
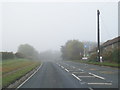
(68, 74)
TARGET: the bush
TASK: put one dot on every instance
(8, 55)
(116, 55)
(93, 57)
(19, 55)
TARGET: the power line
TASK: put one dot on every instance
(103, 25)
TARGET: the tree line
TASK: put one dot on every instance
(24, 51)
(72, 50)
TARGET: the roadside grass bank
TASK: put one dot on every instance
(110, 64)
(13, 70)
(0, 74)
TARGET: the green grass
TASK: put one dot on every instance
(11, 65)
(12, 77)
(0, 73)
(110, 64)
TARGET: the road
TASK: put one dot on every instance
(68, 74)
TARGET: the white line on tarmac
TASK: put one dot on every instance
(76, 77)
(66, 70)
(78, 72)
(80, 69)
(62, 67)
(101, 83)
(97, 76)
(91, 88)
(30, 77)
(86, 76)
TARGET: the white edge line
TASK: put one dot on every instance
(29, 77)
(97, 76)
(76, 77)
(66, 70)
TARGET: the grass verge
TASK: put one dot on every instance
(98, 63)
(12, 77)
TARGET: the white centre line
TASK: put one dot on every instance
(97, 76)
(62, 67)
(101, 83)
(66, 70)
(76, 77)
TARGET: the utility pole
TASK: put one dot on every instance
(98, 32)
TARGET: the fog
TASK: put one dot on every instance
(48, 26)
(50, 55)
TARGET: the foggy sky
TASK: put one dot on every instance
(47, 26)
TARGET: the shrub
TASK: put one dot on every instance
(8, 55)
(93, 57)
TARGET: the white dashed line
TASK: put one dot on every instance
(97, 76)
(101, 83)
(62, 67)
(76, 77)
(66, 70)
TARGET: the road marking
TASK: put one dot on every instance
(91, 88)
(80, 69)
(76, 77)
(101, 83)
(97, 76)
(29, 77)
(78, 72)
(66, 70)
(62, 67)
(86, 76)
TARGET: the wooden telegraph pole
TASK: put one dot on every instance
(98, 32)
